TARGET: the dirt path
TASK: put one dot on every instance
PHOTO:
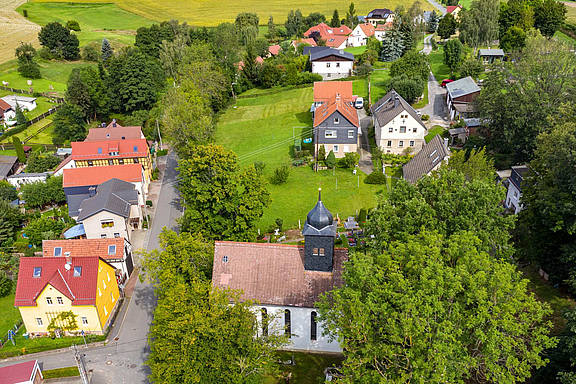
(15, 29)
(11, 5)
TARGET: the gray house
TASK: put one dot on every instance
(427, 160)
(336, 126)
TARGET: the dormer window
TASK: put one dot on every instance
(57, 251)
(77, 271)
(99, 151)
(111, 249)
(37, 271)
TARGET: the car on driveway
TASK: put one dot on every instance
(359, 103)
(446, 81)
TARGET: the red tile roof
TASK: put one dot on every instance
(452, 8)
(273, 273)
(18, 373)
(385, 27)
(334, 104)
(324, 90)
(309, 41)
(240, 64)
(335, 41)
(81, 290)
(115, 133)
(78, 177)
(84, 247)
(367, 28)
(4, 106)
(327, 31)
(274, 49)
(87, 150)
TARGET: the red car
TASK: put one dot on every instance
(446, 81)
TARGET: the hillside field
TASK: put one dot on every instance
(209, 13)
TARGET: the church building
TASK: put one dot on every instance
(287, 280)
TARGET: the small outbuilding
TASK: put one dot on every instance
(488, 56)
(21, 373)
(8, 165)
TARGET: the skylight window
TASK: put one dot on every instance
(111, 249)
(57, 251)
(77, 271)
(135, 148)
(225, 259)
(37, 271)
(99, 151)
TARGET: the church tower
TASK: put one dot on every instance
(319, 234)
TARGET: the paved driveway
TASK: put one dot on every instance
(436, 107)
(365, 163)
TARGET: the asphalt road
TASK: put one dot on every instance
(436, 107)
(122, 360)
(438, 6)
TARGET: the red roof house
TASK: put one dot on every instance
(87, 150)
(79, 177)
(274, 49)
(83, 248)
(324, 90)
(114, 131)
(334, 37)
(22, 373)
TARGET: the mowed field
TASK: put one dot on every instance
(571, 7)
(15, 29)
(211, 13)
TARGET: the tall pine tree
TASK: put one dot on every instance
(107, 50)
(335, 22)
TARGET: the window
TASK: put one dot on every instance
(120, 161)
(111, 249)
(106, 223)
(99, 151)
(336, 149)
(346, 148)
(224, 259)
(84, 321)
(337, 65)
(411, 143)
(135, 148)
(287, 325)
(327, 65)
(90, 163)
(414, 130)
(103, 284)
(136, 161)
(110, 162)
(336, 120)
(49, 301)
(103, 236)
(313, 326)
(77, 271)
(105, 311)
(112, 296)
(57, 251)
(350, 133)
(390, 130)
(264, 322)
(330, 133)
(402, 129)
(39, 322)
(60, 301)
(37, 272)
(318, 251)
(515, 193)
(116, 235)
(329, 75)
(389, 143)
(401, 143)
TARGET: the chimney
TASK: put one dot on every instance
(396, 100)
(92, 191)
(68, 258)
(337, 97)
(446, 142)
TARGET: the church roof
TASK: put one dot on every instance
(273, 274)
(319, 221)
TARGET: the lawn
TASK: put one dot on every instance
(10, 314)
(264, 129)
(435, 130)
(564, 37)
(60, 372)
(439, 69)
(54, 73)
(96, 20)
(308, 368)
(356, 51)
(379, 83)
(571, 7)
(204, 13)
(43, 104)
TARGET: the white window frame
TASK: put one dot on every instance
(84, 320)
(336, 148)
(350, 133)
(346, 148)
(330, 134)
(403, 129)
(401, 143)
(39, 322)
(49, 301)
(59, 251)
(327, 65)
(389, 143)
(412, 143)
(414, 130)
(390, 130)
(59, 300)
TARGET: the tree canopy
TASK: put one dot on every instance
(58, 39)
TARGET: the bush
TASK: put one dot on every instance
(162, 152)
(73, 25)
(31, 70)
(5, 284)
(25, 13)
(38, 163)
(155, 173)
(425, 117)
(45, 53)
(259, 167)
(376, 177)
(281, 174)
(149, 203)
(90, 53)
(331, 160)
(307, 78)
(279, 223)
(14, 131)
(40, 228)
(350, 160)
(362, 215)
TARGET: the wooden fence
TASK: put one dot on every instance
(45, 147)
(44, 115)
(31, 92)
(37, 132)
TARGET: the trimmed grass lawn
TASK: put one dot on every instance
(96, 20)
(54, 73)
(308, 368)
(379, 83)
(435, 130)
(44, 137)
(439, 69)
(209, 13)
(264, 129)
(8, 152)
(564, 37)
(571, 8)
(60, 372)
(10, 314)
(356, 51)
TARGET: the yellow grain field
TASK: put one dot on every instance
(15, 29)
(213, 12)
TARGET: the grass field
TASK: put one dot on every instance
(60, 372)
(10, 315)
(261, 129)
(439, 69)
(435, 130)
(208, 13)
(96, 20)
(44, 137)
(308, 368)
(564, 37)
(571, 7)
(379, 83)
(356, 51)
(15, 29)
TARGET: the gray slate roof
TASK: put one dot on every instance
(385, 109)
(115, 196)
(6, 164)
(319, 54)
(319, 221)
(424, 161)
(462, 87)
(490, 52)
(308, 50)
(23, 175)
(473, 122)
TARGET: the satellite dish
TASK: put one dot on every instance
(67, 266)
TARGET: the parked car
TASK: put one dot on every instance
(359, 103)
(446, 81)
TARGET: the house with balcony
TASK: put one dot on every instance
(398, 128)
(48, 286)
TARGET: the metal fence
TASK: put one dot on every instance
(15, 328)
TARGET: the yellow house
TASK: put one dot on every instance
(48, 286)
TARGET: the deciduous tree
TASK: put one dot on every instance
(513, 40)
(42, 193)
(7, 191)
(58, 39)
(10, 220)
(27, 67)
(38, 163)
(471, 67)
(549, 16)
(447, 26)
(453, 55)
(36, 229)
(69, 124)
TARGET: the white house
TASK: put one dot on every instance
(430, 158)
(514, 194)
(397, 125)
(360, 35)
(286, 280)
(7, 112)
(25, 103)
(381, 30)
(26, 178)
(380, 15)
(330, 63)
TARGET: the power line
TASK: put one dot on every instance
(270, 147)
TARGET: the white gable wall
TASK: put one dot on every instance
(400, 140)
(300, 327)
(513, 197)
(332, 69)
(357, 38)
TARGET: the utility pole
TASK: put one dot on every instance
(317, 149)
(80, 364)
(159, 137)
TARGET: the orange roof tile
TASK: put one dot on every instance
(309, 41)
(336, 103)
(367, 28)
(384, 27)
(115, 133)
(335, 41)
(274, 49)
(78, 177)
(84, 247)
(86, 150)
(323, 90)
